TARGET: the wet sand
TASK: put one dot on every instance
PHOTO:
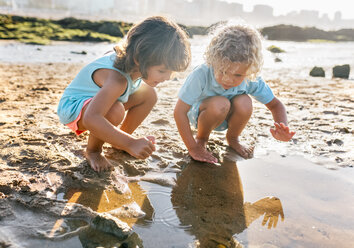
(43, 166)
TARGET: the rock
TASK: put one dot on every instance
(317, 72)
(338, 159)
(277, 60)
(344, 130)
(275, 49)
(341, 71)
(338, 142)
(83, 52)
(105, 222)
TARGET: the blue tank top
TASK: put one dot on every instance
(83, 87)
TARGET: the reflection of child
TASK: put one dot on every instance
(210, 200)
(98, 97)
(215, 94)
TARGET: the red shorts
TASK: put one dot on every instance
(73, 125)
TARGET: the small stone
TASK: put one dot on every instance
(275, 49)
(82, 52)
(339, 160)
(338, 142)
(344, 130)
(317, 72)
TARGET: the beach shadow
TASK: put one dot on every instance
(210, 200)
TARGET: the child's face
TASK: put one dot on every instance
(233, 75)
(157, 74)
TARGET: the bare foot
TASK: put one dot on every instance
(97, 161)
(245, 152)
(200, 153)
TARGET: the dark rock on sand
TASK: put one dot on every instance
(317, 72)
(83, 52)
(338, 142)
(341, 71)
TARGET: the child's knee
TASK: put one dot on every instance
(242, 104)
(148, 95)
(116, 113)
(219, 106)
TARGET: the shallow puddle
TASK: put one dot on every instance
(268, 202)
(271, 201)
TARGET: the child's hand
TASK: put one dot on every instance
(281, 132)
(142, 147)
(199, 153)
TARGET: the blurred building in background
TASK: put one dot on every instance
(188, 12)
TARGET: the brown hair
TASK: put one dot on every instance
(154, 41)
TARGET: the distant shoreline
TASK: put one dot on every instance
(40, 31)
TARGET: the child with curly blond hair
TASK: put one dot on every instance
(215, 96)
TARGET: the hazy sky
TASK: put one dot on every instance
(281, 7)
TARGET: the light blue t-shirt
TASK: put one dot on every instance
(83, 87)
(201, 84)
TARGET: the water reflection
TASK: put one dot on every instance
(210, 199)
(129, 207)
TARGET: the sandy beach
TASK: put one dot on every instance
(41, 158)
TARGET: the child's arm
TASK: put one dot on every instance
(281, 131)
(95, 121)
(196, 151)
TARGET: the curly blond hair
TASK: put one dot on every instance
(235, 43)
